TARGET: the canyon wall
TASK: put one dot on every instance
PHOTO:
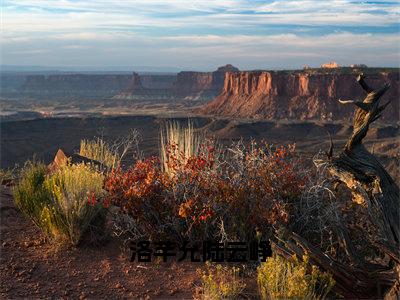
(297, 95)
(74, 85)
(185, 85)
(147, 87)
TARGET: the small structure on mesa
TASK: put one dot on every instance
(330, 65)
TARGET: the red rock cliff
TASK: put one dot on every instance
(296, 95)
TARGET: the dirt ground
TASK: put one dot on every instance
(31, 268)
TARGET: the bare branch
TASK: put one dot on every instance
(363, 84)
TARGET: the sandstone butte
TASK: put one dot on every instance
(297, 95)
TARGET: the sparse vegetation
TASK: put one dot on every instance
(221, 282)
(198, 191)
(100, 151)
(279, 278)
(7, 175)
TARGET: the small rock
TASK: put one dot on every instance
(118, 285)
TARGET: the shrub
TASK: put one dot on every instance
(233, 194)
(279, 278)
(30, 195)
(100, 151)
(64, 205)
(221, 282)
(139, 193)
(74, 190)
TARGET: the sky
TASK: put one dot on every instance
(200, 34)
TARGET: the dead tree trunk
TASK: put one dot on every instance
(372, 186)
(362, 172)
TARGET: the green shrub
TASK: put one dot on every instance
(64, 204)
(279, 278)
(30, 195)
(221, 282)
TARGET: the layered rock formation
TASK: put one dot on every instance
(148, 87)
(75, 85)
(185, 85)
(297, 95)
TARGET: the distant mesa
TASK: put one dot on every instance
(187, 85)
(298, 95)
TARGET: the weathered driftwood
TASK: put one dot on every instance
(372, 186)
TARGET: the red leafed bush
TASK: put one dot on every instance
(212, 194)
(133, 189)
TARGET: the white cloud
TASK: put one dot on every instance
(156, 32)
(198, 51)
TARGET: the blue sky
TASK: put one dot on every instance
(200, 34)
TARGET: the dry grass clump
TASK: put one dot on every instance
(100, 151)
(178, 141)
(62, 204)
(221, 282)
(7, 175)
(279, 278)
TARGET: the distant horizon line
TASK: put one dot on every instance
(155, 69)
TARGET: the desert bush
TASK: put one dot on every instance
(31, 197)
(220, 194)
(221, 282)
(64, 204)
(279, 278)
(74, 190)
(139, 193)
(100, 151)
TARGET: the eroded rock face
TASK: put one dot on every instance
(297, 95)
(75, 85)
(186, 85)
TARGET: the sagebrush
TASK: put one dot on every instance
(279, 278)
(62, 204)
(221, 282)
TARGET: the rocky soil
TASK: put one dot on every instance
(32, 268)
